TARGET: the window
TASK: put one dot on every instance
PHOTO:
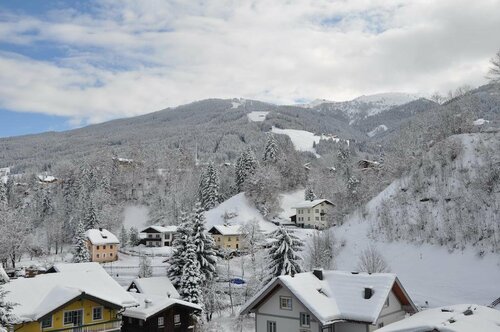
(46, 322)
(103, 247)
(97, 247)
(97, 255)
(285, 303)
(97, 313)
(110, 254)
(317, 210)
(73, 317)
(305, 319)
(218, 239)
(103, 255)
(177, 319)
(157, 236)
(317, 218)
(380, 325)
(386, 304)
(237, 238)
(141, 322)
(150, 236)
(111, 246)
(130, 320)
(308, 210)
(271, 326)
(229, 239)
(308, 218)
(161, 321)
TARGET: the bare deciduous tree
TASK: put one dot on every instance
(372, 261)
(494, 72)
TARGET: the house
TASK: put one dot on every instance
(228, 237)
(158, 236)
(102, 244)
(312, 214)
(159, 314)
(455, 318)
(329, 301)
(83, 299)
(154, 286)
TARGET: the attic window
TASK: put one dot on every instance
(368, 293)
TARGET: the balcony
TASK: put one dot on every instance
(103, 327)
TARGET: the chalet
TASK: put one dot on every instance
(228, 237)
(455, 318)
(312, 214)
(83, 298)
(102, 244)
(158, 236)
(329, 301)
(154, 286)
(159, 314)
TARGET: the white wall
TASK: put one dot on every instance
(286, 320)
(392, 313)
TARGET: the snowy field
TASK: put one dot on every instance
(237, 211)
(135, 216)
(257, 116)
(302, 140)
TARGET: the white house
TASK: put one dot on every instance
(158, 236)
(312, 214)
(329, 301)
(455, 318)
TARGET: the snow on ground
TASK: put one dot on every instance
(257, 116)
(135, 216)
(377, 130)
(480, 122)
(288, 200)
(428, 272)
(239, 210)
(302, 140)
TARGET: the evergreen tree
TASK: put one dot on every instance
(309, 194)
(145, 269)
(246, 165)
(208, 191)
(283, 257)
(191, 280)
(80, 250)
(90, 215)
(133, 237)
(204, 244)
(178, 259)
(124, 238)
(271, 149)
(6, 315)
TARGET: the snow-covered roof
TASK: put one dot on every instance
(161, 229)
(155, 286)
(227, 229)
(310, 204)
(46, 178)
(456, 318)
(150, 305)
(38, 296)
(337, 296)
(73, 267)
(101, 236)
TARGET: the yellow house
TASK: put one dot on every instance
(83, 299)
(103, 245)
(228, 237)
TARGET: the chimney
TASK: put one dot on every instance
(147, 302)
(100, 229)
(318, 273)
(368, 293)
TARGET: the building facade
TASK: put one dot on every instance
(103, 245)
(227, 237)
(313, 214)
(158, 236)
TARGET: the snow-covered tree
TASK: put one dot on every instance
(283, 254)
(271, 149)
(309, 194)
(321, 250)
(6, 315)
(494, 72)
(178, 259)
(81, 252)
(191, 280)
(246, 165)
(133, 237)
(208, 191)
(372, 261)
(3, 195)
(90, 219)
(204, 244)
(253, 238)
(124, 238)
(145, 269)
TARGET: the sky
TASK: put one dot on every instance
(65, 64)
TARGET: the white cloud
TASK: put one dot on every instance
(125, 58)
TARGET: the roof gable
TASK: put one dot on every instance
(150, 305)
(311, 204)
(226, 230)
(101, 236)
(155, 286)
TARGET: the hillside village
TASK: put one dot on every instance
(354, 188)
